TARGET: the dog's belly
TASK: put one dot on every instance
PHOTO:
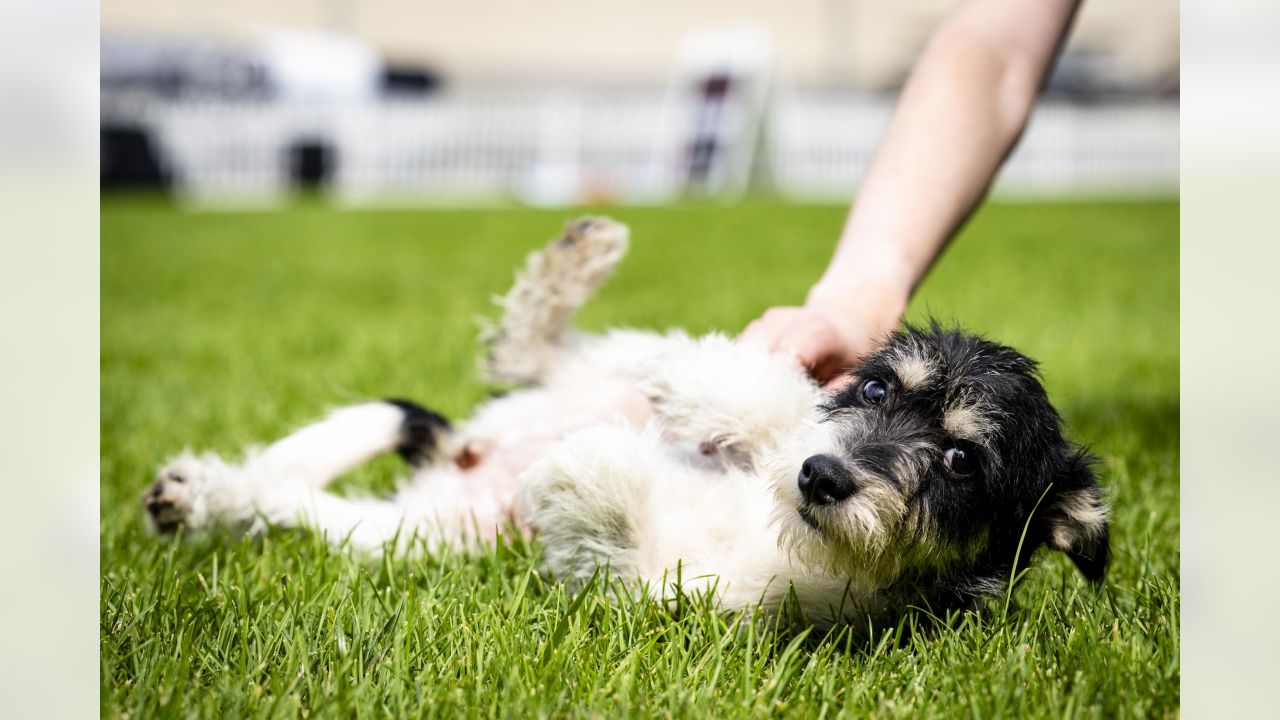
(510, 433)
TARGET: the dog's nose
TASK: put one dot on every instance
(825, 480)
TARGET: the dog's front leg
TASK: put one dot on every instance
(616, 500)
(588, 499)
(730, 398)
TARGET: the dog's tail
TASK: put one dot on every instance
(557, 280)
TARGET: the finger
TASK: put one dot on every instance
(799, 345)
(794, 355)
(756, 333)
(760, 330)
(775, 317)
(814, 344)
(770, 329)
(828, 370)
(837, 383)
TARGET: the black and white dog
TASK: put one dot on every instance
(696, 461)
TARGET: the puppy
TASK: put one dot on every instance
(685, 464)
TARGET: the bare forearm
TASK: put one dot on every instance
(962, 110)
(960, 113)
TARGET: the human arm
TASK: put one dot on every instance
(960, 113)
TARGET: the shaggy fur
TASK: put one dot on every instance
(687, 464)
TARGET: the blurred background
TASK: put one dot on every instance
(567, 102)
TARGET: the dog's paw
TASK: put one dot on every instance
(594, 236)
(168, 502)
(176, 499)
(585, 254)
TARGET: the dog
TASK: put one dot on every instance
(683, 465)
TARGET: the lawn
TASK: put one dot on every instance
(220, 330)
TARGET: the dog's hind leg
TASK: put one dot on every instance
(202, 490)
(443, 507)
(350, 437)
(366, 525)
(524, 343)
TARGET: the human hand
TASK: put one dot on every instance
(838, 325)
(824, 343)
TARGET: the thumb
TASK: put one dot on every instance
(837, 383)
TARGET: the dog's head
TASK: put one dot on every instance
(929, 467)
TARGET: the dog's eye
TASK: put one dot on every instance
(874, 391)
(961, 461)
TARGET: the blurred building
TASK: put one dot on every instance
(823, 44)
(569, 100)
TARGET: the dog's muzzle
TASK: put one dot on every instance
(824, 480)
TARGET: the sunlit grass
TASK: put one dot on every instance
(220, 330)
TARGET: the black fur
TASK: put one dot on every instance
(1026, 470)
(421, 432)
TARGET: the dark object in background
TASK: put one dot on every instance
(708, 124)
(311, 163)
(128, 159)
(408, 81)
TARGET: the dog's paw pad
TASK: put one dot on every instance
(590, 239)
(168, 501)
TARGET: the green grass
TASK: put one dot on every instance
(220, 330)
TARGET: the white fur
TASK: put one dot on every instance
(660, 456)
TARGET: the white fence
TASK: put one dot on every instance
(821, 146)
(568, 148)
(551, 151)
(554, 149)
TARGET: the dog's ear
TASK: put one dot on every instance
(1076, 520)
